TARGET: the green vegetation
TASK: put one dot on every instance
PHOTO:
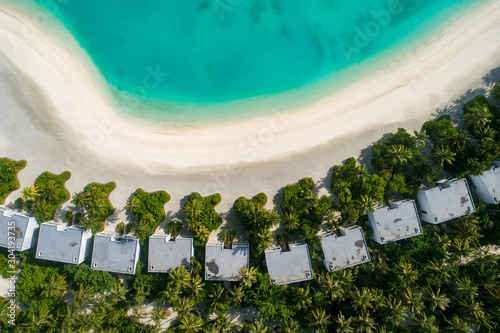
(94, 200)
(5, 269)
(201, 216)
(85, 277)
(8, 176)
(48, 193)
(356, 189)
(402, 164)
(305, 211)
(257, 222)
(148, 210)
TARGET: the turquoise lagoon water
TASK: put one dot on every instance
(190, 59)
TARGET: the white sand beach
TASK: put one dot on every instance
(56, 114)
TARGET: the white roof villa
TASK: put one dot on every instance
(166, 253)
(225, 264)
(486, 186)
(61, 243)
(114, 254)
(445, 202)
(397, 221)
(289, 266)
(21, 227)
(348, 249)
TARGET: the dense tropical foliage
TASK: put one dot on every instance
(201, 216)
(8, 176)
(47, 194)
(94, 200)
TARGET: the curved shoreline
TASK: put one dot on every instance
(69, 123)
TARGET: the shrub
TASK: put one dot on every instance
(52, 194)
(19, 203)
(201, 215)
(78, 218)
(120, 228)
(171, 227)
(178, 226)
(280, 241)
(69, 216)
(8, 176)
(100, 281)
(233, 236)
(148, 210)
(224, 236)
(129, 228)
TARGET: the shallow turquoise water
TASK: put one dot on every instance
(213, 51)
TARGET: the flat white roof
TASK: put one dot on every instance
(491, 179)
(165, 255)
(20, 226)
(449, 200)
(290, 266)
(58, 242)
(225, 264)
(397, 222)
(345, 250)
(115, 255)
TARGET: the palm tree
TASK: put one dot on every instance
(248, 276)
(342, 190)
(457, 140)
(258, 327)
(332, 286)
(38, 321)
(54, 287)
(366, 203)
(437, 272)
(171, 293)
(443, 156)
(495, 92)
(290, 326)
(320, 319)
(365, 323)
(132, 202)
(195, 287)
(193, 208)
(362, 299)
(83, 296)
(217, 299)
(158, 314)
(424, 323)
(344, 324)
(413, 299)
(223, 323)
(274, 218)
(302, 298)
(437, 300)
(264, 239)
(292, 222)
(42, 211)
(406, 273)
(184, 306)
(457, 325)
(79, 199)
(49, 190)
(30, 193)
(396, 312)
(398, 154)
(180, 277)
(117, 293)
(190, 323)
(237, 295)
(465, 288)
(478, 117)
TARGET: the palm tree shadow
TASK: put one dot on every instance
(492, 77)
(456, 110)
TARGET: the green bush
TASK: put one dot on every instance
(120, 227)
(83, 275)
(19, 203)
(178, 226)
(201, 215)
(224, 236)
(233, 235)
(148, 210)
(8, 176)
(129, 228)
(78, 218)
(52, 194)
(280, 241)
(171, 227)
(69, 216)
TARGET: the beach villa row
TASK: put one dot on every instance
(286, 264)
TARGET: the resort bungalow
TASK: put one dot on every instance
(289, 266)
(445, 202)
(225, 264)
(61, 243)
(166, 253)
(20, 228)
(487, 185)
(114, 254)
(397, 221)
(345, 250)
